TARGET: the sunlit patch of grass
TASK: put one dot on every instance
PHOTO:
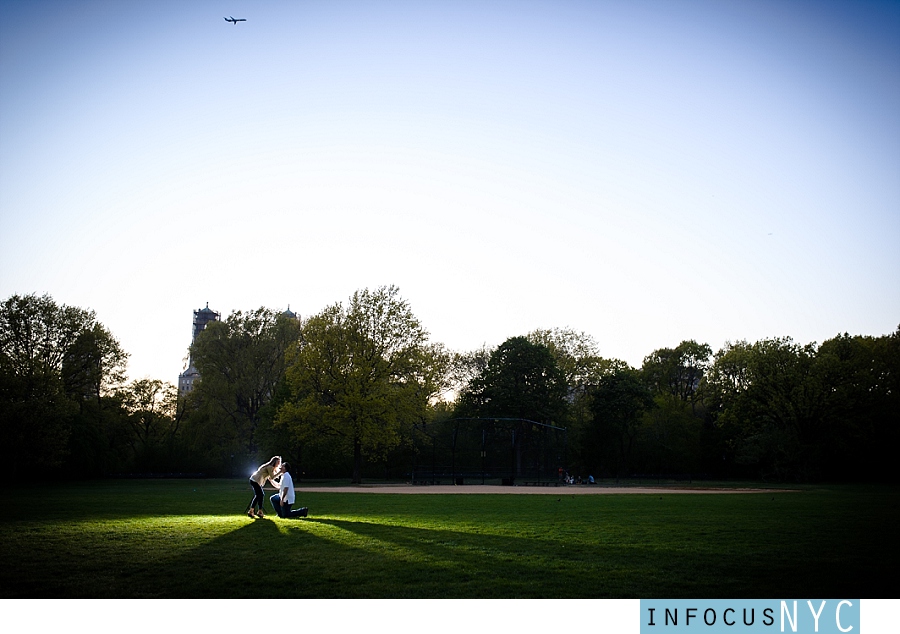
(190, 539)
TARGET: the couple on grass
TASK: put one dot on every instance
(279, 474)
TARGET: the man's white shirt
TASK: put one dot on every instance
(287, 483)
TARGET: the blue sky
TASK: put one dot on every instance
(645, 172)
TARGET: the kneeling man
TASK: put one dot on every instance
(283, 500)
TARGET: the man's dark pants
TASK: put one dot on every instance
(284, 510)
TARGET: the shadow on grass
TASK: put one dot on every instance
(172, 540)
(325, 557)
(342, 558)
(339, 558)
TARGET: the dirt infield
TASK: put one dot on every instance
(524, 490)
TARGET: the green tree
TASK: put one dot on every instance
(464, 367)
(151, 410)
(861, 425)
(770, 399)
(241, 361)
(678, 372)
(57, 367)
(618, 404)
(520, 380)
(362, 374)
(675, 435)
(577, 354)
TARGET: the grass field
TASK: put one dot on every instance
(187, 539)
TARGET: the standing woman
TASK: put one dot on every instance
(265, 472)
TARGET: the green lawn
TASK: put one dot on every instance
(187, 538)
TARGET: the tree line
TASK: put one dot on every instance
(358, 390)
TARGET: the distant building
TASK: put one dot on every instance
(201, 318)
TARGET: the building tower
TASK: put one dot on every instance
(201, 318)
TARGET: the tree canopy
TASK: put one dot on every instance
(57, 363)
(361, 373)
(792, 411)
(521, 380)
(241, 361)
(359, 386)
(618, 404)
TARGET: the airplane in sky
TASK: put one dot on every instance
(234, 20)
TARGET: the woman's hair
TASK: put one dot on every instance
(274, 461)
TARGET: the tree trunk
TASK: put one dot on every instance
(357, 461)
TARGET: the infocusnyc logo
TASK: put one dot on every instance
(814, 616)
